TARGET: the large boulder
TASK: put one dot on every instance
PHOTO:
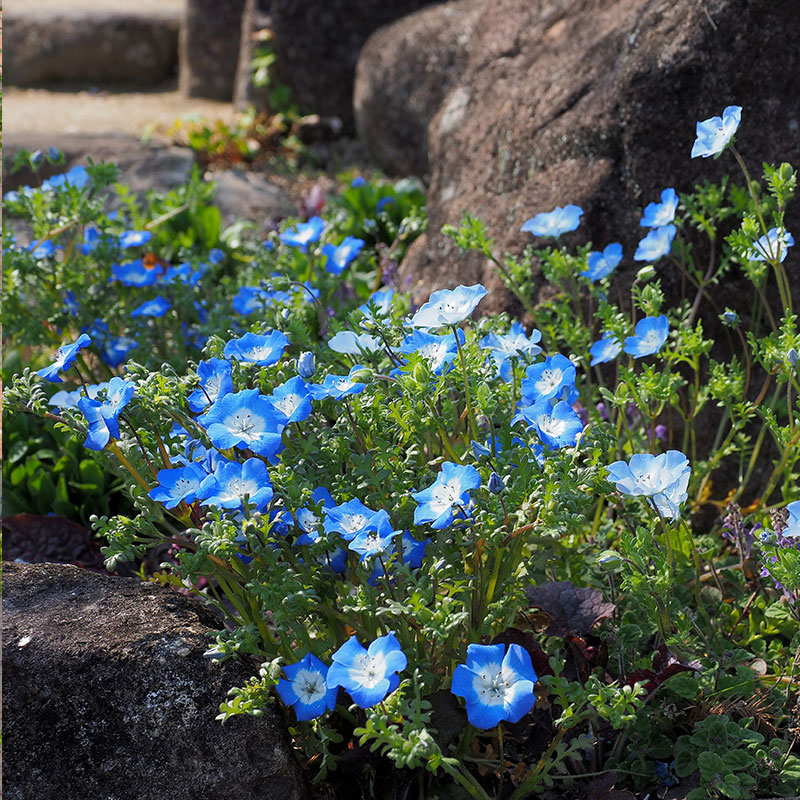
(106, 694)
(592, 102)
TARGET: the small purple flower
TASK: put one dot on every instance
(656, 244)
(554, 223)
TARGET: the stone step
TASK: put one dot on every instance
(90, 42)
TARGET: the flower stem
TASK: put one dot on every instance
(473, 426)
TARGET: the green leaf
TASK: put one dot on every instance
(710, 764)
(737, 759)
(684, 686)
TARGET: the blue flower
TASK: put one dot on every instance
(378, 542)
(291, 400)
(231, 482)
(656, 244)
(134, 238)
(451, 488)
(156, 307)
(250, 299)
(448, 306)
(134, 273)
(308, 521)
(607, 349)
(337, 386)
(216, 256)
(65, 399)
(77, 177)
(354, 344)
(438, 351)
(91, 238)
(338, 258)
(261, 350)
(513, 344)
(663, 478)
(792, 529)
(351, 518)
(175, 485)
(115, 350)
(102, 416)
(599, 265)
(413, 550)
(547, 379)
(496, 684)
(246, 420)
(358, 181)
(370, 674)
(44, 249)
(382, 300)
(215, 381)
(306, 366)
(555, 222)
(306, 690)
(714, 134)
(557, 425)
(64, 358)
(656, 215)
(772, 246)
(649, 337)
(304, 233)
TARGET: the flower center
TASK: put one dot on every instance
(490, 685)
(549, 381)
(369, 670)
(310, 686)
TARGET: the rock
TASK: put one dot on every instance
(594, 103)
(250, 196)
(404, 72)
(209, 48)
(107, 694)
(34, 538)
(95, 47)
(317, 43)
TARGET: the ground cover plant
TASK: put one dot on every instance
(468, 555)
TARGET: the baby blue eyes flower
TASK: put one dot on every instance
(152, 308)
(772, 246)
(175, 485)
(306, 690)
(546, 380)
(663, 478)
(306, 367)
(308, 521)
(354, 344)
(714, 134)
(368, 675)
(496, 684)
(607, 349)
(134, 273)
(438, 351)
(352, 518)
(448, 306)
(379, 542)
(382, 300)
(231, 482)
(451, 488)
(510, 345)
(599, 265)
(656, 215)
(337, 386)
(134, 238)
(338, 258)
(557, 425)
(43, 250)
(255, 349)
(792, 529)
(649, 337)
(291, 400)
(656, 244)
(102, 416)
(64, 358)
(554, 223)
(115, 350)
(215, 381)
(303, 234)
(77, 177)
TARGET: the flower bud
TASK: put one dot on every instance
(361, 374)
(609, 559)
(285, 314)
(792, 357)
(496, 484)
(730, 317)
(37, 157)
(305, 365)
(645, 273)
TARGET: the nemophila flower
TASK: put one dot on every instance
(599, 265)
(792, 529)
(338, 257)
(648, 337)
(337, 386)
(450, 489)
(378, 543)
(71, 305)
(156, 307)
(413, 550)
(175, 485)
(496, 684)
(448, 306)
(382, 300)
(663, 478)
(115, 349)
(368, 675)
(64, 358)
(65, 399)
(134, 273)
(245, 420)
(306, 366)
(309, 521)
(438, 351)
(215, 381)
(253, 348)
(134, 238)
(185, 273)
(42, 250)
(351, 518)
(306, 690)
(656, 215)
(102, 417)
(118, 393)
(231, 482)
(76, 177)
(557, 425)
(354, 344)
(554, 223)
(607, 349)
(714, 134)
(772, 246)
(505, 346)
(358, 181)
(91, 238)
(548, 378)
(303, 234)
(249, 299)
(656, 244)
(291, 400)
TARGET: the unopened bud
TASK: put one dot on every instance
(730, 317)
(792, 357)
(496, 484)
(645, 273)
(305, 365)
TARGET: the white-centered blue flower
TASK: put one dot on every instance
(556, 425)
(656, 215)
(102, 415)
(446, 496)
(156, 307)
(305, 688)
(354, 344)
(64, 358)
(607, 349)
(134, 273)
(448, 306)
(262, 350)
(656, 244)
(368, 675)
(336, 258)
(547, 379)
(231, 482)
(496, 684)
(438, 351)
(134, 238)
(601, 264)
(292, 400)
(310, 521)
(351, 518)
(792, 529)
(663, 478)
(303, 234)
(175, 485)
(553, 223)
(381, 300)
(772, 246)
(649, 337)
(337, 386)
(513, 344)
(215, 381)
(378, 543)
(714, 134)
